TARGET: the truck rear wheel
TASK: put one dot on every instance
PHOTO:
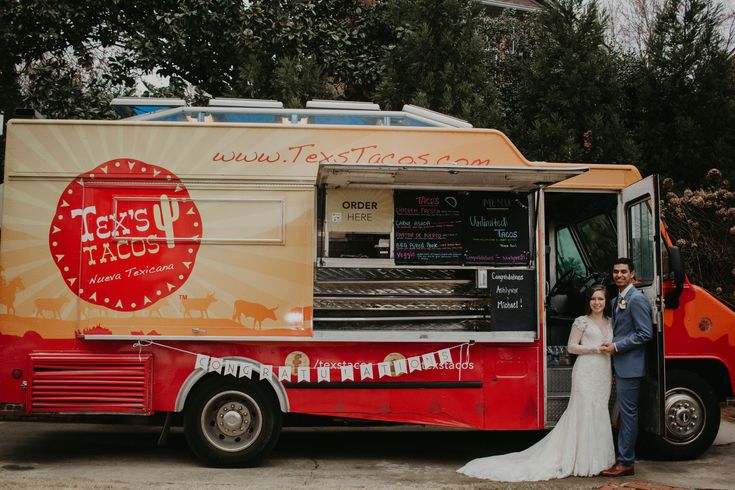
(692, 418)
(232, 423)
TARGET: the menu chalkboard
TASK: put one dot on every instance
(512, 299)
(495, 228)
(428, 228)
(467, 228)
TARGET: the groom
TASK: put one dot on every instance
(632, 328)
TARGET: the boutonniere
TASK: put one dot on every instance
(622, 304)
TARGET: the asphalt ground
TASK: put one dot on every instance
(41, 455)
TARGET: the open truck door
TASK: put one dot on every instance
(639, 238)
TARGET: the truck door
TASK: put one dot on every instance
(639, 238)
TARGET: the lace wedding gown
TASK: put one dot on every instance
(581, 444)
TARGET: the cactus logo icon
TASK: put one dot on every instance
(125, 234)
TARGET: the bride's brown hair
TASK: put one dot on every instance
(592, 290)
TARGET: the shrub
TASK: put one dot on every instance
(701, 223)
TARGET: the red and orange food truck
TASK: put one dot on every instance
(238, 262)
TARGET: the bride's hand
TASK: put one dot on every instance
(608, 348)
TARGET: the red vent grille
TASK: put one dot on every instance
(90, 383)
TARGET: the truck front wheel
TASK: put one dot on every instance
(231, 423)
(692, 418)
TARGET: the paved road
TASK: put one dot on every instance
(36, 455)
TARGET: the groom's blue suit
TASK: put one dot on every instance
(632, 328)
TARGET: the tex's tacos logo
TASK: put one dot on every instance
(125, 234)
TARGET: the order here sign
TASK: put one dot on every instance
(360, 210)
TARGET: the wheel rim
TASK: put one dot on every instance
(685, 416)
(231, 421)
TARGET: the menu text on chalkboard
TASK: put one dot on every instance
(461, 228)
(428, 228)
(495, 228)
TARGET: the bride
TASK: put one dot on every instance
(581, 444)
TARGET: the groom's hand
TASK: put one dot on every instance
(608, 348)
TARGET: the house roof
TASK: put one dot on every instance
(528, 5)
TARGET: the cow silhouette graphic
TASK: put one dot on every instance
(255, 311)
(52, 305)
(197, 304)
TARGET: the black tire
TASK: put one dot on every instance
(231, 422)
(692, 418)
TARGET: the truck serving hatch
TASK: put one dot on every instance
(450, 177)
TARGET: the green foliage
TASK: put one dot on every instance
(567, 102)
(291, 50)
(683, 94)
(440, 60)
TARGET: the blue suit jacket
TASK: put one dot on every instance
(632, 328)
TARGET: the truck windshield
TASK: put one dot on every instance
(598, 235)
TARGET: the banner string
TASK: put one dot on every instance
(139, 344)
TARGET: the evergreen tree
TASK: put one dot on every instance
(683, 94)
(439, 61)
(567, 102)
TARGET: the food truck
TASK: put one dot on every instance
(241, 261)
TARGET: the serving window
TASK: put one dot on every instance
(429, 248)
(425, 260)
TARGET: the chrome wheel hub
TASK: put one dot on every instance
(231, 420)
(685, 416)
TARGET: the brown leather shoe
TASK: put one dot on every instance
(619, 470)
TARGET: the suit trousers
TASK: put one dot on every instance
(628, 391)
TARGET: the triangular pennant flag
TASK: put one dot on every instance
(284, 373)
(348, 372)
(230, 368)
(266, 371)
(177, 188)
(400, 367)
(414, 364)
(322, 374)
(202, 362)
(156, 172)
(445, 357)
(131, 165)
(191, 210)
(303, 374)
(59, 257)
(104, 169)
(64, 204)
(215, 365)
(55, 229)
(429, 360)
(93, 297)
(71, 282)
(246, 370)
(383, 369)
(187, 265)
(146, 300)
(170, 286)
(118, 304)
(366, 371)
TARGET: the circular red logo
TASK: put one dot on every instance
(125, 234)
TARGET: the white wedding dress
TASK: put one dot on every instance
(581, 444)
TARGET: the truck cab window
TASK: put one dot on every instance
(640, 239)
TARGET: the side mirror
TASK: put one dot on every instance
(677, 268)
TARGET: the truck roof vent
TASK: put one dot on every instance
(436, 116)
(251, 103)
(342, 104)
(135, 106)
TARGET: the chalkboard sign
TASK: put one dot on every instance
(495, 228)
(427, 228)
(512, 300)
